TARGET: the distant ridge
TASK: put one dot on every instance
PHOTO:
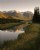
(15, 14)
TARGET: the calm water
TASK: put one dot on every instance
(9, 35)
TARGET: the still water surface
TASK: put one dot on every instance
(9, 35)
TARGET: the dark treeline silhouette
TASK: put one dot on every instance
(3, 21)
(36, 17)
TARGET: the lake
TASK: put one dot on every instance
(9, 35)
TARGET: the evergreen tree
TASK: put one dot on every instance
(36, 17)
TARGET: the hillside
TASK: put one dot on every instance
(30, 40)
(15, 15)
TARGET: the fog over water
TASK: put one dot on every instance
(9, 35)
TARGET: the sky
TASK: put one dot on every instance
(19, 5)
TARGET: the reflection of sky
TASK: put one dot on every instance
(20, 5)
(7, 35)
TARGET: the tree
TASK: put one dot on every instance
(36, 17)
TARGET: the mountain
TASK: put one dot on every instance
(28, 14)
(15, 15)
(2, 15)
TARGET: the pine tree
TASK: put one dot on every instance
(36, 17)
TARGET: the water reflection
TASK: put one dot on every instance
(9, 35)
